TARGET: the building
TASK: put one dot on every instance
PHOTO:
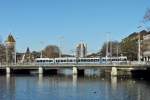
(146, 47)
(10, 45)
(81, 50)
(2, 53)
(26, 57)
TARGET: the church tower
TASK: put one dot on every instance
(28, 56)
(10, 50)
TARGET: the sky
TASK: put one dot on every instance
(66, 23)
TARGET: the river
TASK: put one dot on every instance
(34, 87)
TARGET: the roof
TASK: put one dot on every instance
(10, 39)
(28, 50)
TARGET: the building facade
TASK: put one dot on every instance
(81, 50)
(28, 57)
(146, 47)
(10, 45)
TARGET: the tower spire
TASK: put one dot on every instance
(10, 38)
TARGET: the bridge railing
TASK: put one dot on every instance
(131, 63)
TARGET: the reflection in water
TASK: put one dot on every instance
(7, 80)
(9, 88)
(106, 91)
(40, 80)
(66, 88)
(74, 81)
(139, 94)
(114, 82)
(89, 72)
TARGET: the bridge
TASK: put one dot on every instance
(75, 67)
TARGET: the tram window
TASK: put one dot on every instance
(95, 60)
(124, 59)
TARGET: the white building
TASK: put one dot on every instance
(81, 50)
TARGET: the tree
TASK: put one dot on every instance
(129, 45)
(113, 46)
(129, 48)
(51, 51)
(147, 15)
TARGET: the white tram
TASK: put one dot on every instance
(74, 60)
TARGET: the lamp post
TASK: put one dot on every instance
(108, 48)
(139, 49)
(107, 45)
(139, 45)
(15, 53)
(118, 53)
(42, 43)
(61, 39)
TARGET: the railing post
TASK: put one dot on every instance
(74, 80)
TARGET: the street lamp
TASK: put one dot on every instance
(107, 43)
(139, 45)
(108, 48)
(61, 38)
(42, 43)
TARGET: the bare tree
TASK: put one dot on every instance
(147, 15)
(51, 51)
(113, 47)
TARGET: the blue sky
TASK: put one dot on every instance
(37, 23)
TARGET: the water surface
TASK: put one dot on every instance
(72, 88)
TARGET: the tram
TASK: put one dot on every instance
(75, 60)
